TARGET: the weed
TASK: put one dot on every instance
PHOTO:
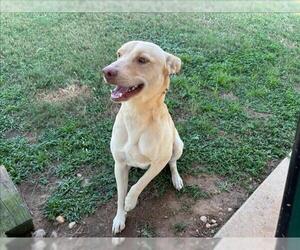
(179, 227)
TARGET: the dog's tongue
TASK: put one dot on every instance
(118, 92)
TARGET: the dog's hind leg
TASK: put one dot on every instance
(177, 152)
(121, 174)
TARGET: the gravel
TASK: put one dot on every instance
(203, 218)
(60, 219)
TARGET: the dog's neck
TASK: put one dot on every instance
(143, 107)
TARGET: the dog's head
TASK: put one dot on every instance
(141, 71)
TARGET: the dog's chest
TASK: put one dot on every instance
(127, 148)
(134, 157)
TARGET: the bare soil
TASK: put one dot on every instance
(229, 96)
(72, 91)
(254, 114)
(167, 216)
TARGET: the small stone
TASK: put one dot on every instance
(213, 221)
(40, 233)
(79, 175)
(72, 224)
(207, 225)
(53, 234)
(229, 209)
(197, 231)
(60, 219)
(166, 217)
(214, 225)
(203, 218)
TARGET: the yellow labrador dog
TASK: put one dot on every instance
(144, 134)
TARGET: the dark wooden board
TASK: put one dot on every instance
(15, 218)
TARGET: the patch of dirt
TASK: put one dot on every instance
(13, 133)
(154, 216)
(284, 41)
(272, 164)
(31, 137)
(287, 43)
(10, 134)
(229, 96)
(35, 196)
(72, 91)
(204, 181)
(253, 114)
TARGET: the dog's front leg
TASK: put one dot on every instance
(136, 189)
(121, 175)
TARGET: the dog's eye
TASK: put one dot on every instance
(118, 54)
(142, 60)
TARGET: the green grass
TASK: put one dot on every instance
(194, 192)
(252, 58)
(146, 231)
(179, 227)
(224, 186)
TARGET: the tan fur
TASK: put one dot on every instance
(144, 134)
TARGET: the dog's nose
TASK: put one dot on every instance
(110, 72)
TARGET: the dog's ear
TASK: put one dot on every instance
(173, 63)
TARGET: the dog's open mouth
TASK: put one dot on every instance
(121, 93)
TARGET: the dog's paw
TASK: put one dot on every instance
(130, 202)
(118, 223)
(177, 182)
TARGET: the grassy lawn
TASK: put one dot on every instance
(235, 103)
